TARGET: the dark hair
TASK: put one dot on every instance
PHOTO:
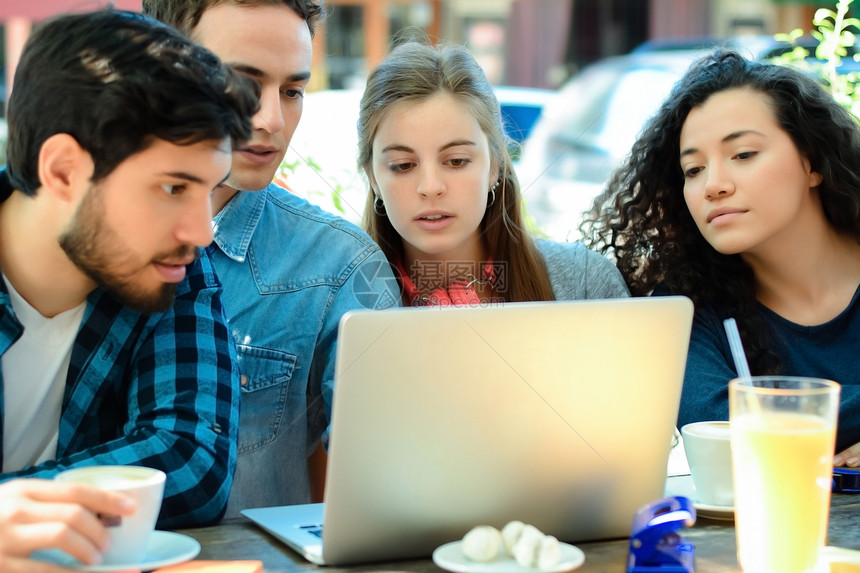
(415, 71)
(115, 81)
(642, 217)
(184, 15)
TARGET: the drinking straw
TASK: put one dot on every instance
(737, 348)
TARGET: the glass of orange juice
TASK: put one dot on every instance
(783, 432)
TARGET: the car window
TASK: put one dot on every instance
(607, 107)
(636, 97)
(579, 108)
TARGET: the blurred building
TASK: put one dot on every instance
(516, 41)
(535, 43)
(17, 17)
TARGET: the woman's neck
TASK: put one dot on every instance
(813, 281)
(441, 270)
(432, 273)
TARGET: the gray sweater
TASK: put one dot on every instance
(578, 273)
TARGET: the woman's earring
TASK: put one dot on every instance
(379, 206)
(492, 194)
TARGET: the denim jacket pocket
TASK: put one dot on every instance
(264, 381)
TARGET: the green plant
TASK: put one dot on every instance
(331, 192)
(836, 35)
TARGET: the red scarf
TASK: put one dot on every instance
(459, 293)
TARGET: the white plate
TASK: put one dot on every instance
(836, 556)
(683, 485)
(450, 557)
(164, 548)
(718, 512)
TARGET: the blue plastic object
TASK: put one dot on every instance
(846, 480)
(655, 544)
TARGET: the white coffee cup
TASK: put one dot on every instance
(709, 453)
(129, 534)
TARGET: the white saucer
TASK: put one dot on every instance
(836, 556)
(718, 512)
(164, 548)
(683, 485)
(450, 557)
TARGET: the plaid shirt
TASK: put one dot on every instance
(158, 390)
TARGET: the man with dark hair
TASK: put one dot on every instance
(290, 270)
(114, 343)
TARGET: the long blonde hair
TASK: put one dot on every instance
(415, 71)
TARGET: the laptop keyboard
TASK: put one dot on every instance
(315, 530)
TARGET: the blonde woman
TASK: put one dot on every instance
(445, 204)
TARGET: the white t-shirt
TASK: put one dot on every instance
(34, 380)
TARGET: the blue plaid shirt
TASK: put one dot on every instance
(158, 390)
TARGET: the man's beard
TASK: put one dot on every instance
(99, 252)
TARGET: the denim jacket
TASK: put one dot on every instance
(290, 271)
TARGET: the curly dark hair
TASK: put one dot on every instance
(114, 81)
(642, 219)
(184, 15)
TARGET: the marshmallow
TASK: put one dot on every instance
(549, 553)
(482, 543)
(529, 546)
(525, 543)
(525, 550)
(510, 533)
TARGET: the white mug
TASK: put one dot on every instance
(709, 453)
(129, 534)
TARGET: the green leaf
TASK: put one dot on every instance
(821, 16)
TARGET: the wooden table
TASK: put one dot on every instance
(714, 541)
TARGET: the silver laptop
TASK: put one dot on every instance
(558, 414)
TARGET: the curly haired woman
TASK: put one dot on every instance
(743, 193)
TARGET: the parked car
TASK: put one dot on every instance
(588, 129)
(755, 46)
(320, 163)
(521, 108)
(585, 132)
